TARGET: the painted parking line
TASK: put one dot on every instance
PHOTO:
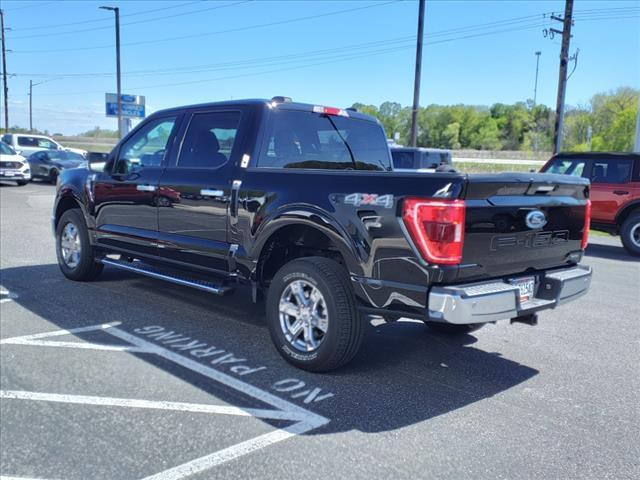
(304, 420)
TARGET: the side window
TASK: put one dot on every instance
(28, 142)
(611, 171)
(146, 148)
(571, 166)
(209, 140)
(46, 143)
(403, 159)
(636, 170)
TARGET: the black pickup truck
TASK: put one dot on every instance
(301, 203)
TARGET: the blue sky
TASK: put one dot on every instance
(326, 52)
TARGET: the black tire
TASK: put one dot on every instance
(630, 233)
(86, 268)
(345, 327)
(452, 329)
(53, 176)
(22, 183)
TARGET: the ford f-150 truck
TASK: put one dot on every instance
(301, 203)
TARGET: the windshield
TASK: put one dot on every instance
(296, 139)
(63, 156)
(6, 149)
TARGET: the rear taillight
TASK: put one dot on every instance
(587, 224)
(436, 228)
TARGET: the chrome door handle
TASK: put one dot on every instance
(620, 192)
(146, 188)
(205, 192)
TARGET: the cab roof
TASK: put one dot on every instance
(282, 103)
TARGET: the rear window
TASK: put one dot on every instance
(611, 171)
(295, 139)
(403, 160)
(567, 166)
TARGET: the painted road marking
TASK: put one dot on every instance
(304, 420)
(7, 296)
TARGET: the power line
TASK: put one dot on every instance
(96, 20)
(93, 29)
(206, 34)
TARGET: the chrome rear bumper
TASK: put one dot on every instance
(498, 300)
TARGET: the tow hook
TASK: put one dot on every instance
(530, 319)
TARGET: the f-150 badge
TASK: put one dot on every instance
(371, 199)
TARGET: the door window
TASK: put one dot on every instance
(611, 171)
(209, 140)
(567, 166)
(403, 159)
(147, 147)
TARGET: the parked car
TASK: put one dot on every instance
(48, 164)
(421, 159)
(26, 144)
(300, 203)
(615, 191)
(13, 166)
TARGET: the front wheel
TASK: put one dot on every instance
(630, 234)
(312, 315)
(73, 248)
(22, 183)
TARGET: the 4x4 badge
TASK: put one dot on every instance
(372, 199)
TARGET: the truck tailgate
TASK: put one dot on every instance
(517, 223)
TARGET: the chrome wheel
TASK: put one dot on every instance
(70, 248)
(304, 319)
(635, 234)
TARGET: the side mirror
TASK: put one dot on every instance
(97, 161)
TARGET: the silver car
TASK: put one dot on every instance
(13, 167)
(26, 144)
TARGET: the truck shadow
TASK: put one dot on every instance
(403, 375)
(609, 252)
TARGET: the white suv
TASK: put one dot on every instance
(26, 144)
(13, 166)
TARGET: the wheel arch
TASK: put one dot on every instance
(293, 235)
(624, 213)
(67, 200)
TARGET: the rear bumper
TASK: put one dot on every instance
(498, 300)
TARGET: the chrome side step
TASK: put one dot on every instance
(144, 269)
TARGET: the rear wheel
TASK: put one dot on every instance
(312, 314)
(73, 248)
(630, 234)
(53, 176)
(453, 329)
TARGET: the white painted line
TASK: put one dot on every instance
(58, 333)
(284, 410)
(226, 454)
(225, 379)
(11, 477)
(90, 346)
(149, 404)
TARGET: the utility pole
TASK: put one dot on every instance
(30, 106)
(416, 84)
(4, 75)
(562, 78)
(116, 10)
(636, 147)
(535, 88)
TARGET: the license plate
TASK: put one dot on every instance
(7, 174)
(526, 286)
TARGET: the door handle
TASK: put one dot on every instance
(620, 192)
(146, 188)
(205, 192)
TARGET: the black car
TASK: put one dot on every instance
(47, 164)
(300, 203)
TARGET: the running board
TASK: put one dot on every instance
(149, 271)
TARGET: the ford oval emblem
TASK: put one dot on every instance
(535, 219)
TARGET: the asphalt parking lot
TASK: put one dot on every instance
(128, 377)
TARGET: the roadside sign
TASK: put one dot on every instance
(133, 106)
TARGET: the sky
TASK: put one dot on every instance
(322, 52)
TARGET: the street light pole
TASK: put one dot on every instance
(416, 84)
(116, 11)
(535, 88)
(4, 75)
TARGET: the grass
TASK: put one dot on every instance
(489, 167)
